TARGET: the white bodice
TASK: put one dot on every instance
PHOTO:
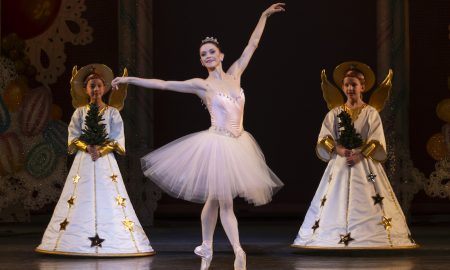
(227, 112)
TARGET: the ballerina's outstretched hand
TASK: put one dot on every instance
(277, 7)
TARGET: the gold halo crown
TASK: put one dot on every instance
(341, 70)
(79, 96)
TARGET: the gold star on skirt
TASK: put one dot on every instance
(386, 222)
(76, 178)
(114, 177)
(120, 200)
(128, 224)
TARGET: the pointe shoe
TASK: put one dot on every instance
(206, 253)
(240, 262)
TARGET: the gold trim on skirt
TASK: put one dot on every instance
(141, 254)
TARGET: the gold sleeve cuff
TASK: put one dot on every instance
(325, 148)
(368, 149)
(328, 143)
(109, 147)
(76, 145)
(374, 150)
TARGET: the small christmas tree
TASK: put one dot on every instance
(95, 132)
(347, 133)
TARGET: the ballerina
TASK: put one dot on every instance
(216, 165)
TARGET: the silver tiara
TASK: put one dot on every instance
(210, 39)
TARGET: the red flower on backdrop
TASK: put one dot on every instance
(28, 18)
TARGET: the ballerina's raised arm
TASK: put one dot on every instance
(199, 86)
(238, 67)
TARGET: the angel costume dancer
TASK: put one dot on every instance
(354, 206)
(94, 216)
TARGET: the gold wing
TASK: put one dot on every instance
(331, 93)
(117, 97)
(381, 93)
(79, 97)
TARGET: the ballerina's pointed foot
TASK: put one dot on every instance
(206, 253)
(205, 264)
(240, 262)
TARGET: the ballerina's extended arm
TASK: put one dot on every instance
(192, 86)
(238, 67)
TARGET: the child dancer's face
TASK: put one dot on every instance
(95, 88)
(352, 88)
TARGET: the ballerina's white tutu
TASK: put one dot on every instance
(220, 163)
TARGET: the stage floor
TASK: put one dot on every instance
(267, 245)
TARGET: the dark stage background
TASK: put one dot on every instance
(284, 107)
(284, 104)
